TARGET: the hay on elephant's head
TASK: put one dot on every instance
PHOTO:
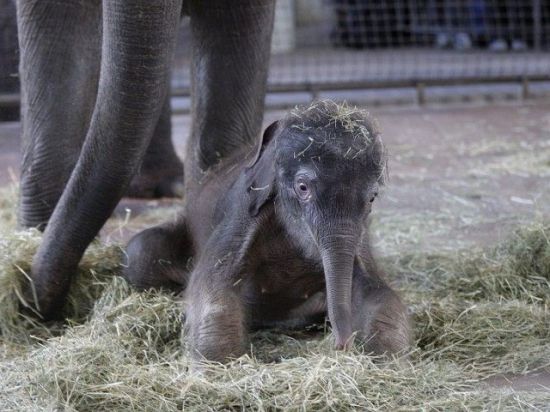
(327, 114)
(352, 131)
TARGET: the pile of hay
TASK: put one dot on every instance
(477, 315)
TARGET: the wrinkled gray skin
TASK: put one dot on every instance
(95, 79)
(278, 236)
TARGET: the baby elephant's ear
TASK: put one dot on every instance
(260, 175)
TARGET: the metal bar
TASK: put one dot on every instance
(11, 100)
(384, 84)
(525, 88)
(421, 94)
(537, 27)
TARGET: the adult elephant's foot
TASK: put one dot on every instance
(46, 293)
(164, 179)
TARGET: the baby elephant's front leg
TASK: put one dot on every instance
(215, 324)
(379, 317)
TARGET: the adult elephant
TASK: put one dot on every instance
(95, 90)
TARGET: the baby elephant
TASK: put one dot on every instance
(279, 238)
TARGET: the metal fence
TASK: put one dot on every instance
(324, 44)
(349, 44)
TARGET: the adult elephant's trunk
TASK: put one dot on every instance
(338, 251)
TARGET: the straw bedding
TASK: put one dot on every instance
(477, 314)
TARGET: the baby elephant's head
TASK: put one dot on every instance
(322, 166)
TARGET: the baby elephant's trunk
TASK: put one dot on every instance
(338, 245)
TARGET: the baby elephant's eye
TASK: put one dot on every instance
(302, 189)
(373, 197)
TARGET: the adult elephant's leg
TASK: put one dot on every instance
(161, 173)
(60, 43)
(231, 48)
(137, 46)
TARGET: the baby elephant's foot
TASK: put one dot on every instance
(158, 258)
(215, 326)
(382, 323)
